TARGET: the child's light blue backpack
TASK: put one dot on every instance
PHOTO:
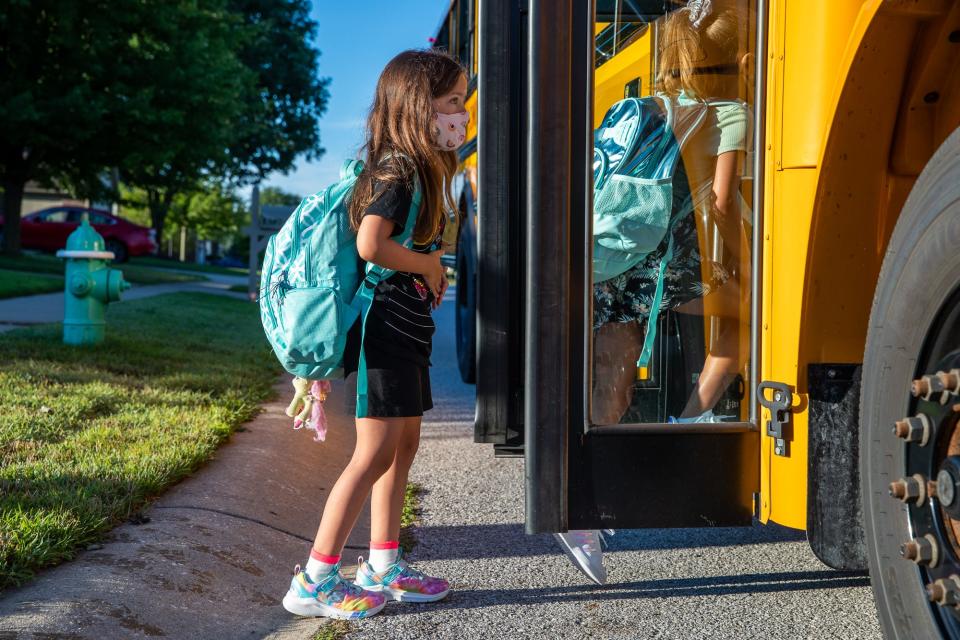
(311, 291)
(638, 195)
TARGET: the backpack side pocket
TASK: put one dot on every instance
(313, 338)
(632, 214)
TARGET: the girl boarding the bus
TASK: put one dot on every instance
(415, 125)
(702, 60)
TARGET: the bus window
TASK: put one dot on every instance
(465, 36)
(442, 39)
(672, 217)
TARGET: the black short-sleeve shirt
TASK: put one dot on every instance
(400, 322)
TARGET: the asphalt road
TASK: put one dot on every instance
(760, 582)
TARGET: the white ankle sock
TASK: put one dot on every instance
(383, 554)
(320, 567)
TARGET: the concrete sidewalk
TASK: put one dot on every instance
(48, 307)
(215, 553)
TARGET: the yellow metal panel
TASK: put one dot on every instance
(815, 34)
(783, 480)
(800, 114)
(609, 80)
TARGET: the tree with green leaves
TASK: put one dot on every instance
(278, 108)
(277, 196)
(198, 81)
(69, 85)
(171, 93)
(282, 114)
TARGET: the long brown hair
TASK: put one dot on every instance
(400, 125)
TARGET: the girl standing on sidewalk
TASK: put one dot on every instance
(414, 128)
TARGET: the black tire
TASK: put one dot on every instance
(466, 312)
(921, 272)
(120, 253)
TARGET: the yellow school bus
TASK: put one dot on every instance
(806, 369)
(458, 35)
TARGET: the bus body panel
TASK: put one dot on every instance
(832, 198)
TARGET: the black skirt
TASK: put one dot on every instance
(396, 387)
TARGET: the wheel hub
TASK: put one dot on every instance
(930, 489)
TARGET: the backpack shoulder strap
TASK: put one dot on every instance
(374, 272)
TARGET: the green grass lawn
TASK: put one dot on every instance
(166, 263)
(89, 434)
(18, 283)
(137, 274)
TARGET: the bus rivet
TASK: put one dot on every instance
(931, 97)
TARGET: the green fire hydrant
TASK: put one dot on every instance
(90, 285)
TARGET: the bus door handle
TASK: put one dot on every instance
(779, 404)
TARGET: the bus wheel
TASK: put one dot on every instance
(909, 433)
(466, 310)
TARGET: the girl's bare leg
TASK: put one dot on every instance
(386, 503)
(375, 452)
(719, 368)
(616, 347)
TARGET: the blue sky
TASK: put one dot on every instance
(356, 40)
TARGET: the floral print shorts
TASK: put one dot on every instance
(628, 297)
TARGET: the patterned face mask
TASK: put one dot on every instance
(450, 130)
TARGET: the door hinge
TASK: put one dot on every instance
(779, 405)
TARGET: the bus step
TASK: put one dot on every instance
(507, 451)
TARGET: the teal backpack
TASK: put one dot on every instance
(640, 190)
(311, 292)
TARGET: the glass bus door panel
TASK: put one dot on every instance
(670, 302)
(640, 413)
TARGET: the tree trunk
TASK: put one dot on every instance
(159, 205)
(12, 201)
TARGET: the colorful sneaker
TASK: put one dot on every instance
(332, 597)
(402, 582)
(583, 548)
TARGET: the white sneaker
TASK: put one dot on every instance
(706, 416)
(583, 548)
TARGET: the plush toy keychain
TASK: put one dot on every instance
(312, 394)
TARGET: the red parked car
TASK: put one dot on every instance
(48, 230)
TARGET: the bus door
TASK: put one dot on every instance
(501, 246)
(640, 364)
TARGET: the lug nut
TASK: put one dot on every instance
(922, 550)
(951, 383)
(915, 429)
(936, 591)
(913, 488)
(927, 386)
(945, 591)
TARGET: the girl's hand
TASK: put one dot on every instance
(434, 275)
(438, 299)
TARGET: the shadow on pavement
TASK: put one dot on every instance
(509, 540)
(754, 583)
